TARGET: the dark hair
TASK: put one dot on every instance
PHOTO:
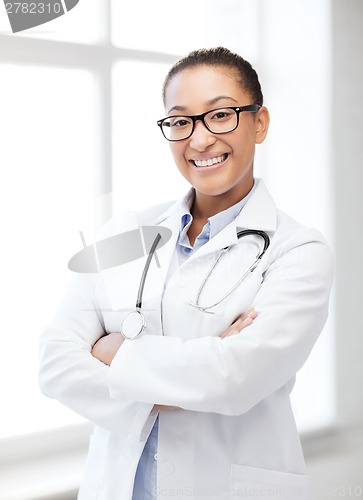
(220, 56)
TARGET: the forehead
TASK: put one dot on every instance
(195, 87)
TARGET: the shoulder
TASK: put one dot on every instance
(293, 244)
(302, 249)
(261, 212)
(129, 220)
(287, 228)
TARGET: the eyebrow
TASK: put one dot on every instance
(209, 103)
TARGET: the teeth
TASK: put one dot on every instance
(210, 162)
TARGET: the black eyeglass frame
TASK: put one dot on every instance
(238, 109)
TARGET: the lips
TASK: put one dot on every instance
(209, 162)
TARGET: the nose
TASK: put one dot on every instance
(201, 138)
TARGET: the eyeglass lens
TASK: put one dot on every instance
(218, 121)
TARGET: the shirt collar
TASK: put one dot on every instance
(215, 223)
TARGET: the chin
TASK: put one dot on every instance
(212, 190)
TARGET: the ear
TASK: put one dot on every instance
(262, 123)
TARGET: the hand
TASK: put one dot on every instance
(241, 322)
(106, 347)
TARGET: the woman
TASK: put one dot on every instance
(198, 404)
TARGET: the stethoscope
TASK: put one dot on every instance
(134, 324)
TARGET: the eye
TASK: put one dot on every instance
(221, 114)
(180, 121)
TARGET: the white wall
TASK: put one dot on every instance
(337, 469)
(347, 161)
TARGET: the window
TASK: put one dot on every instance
(141, 167)
(67, 149)
(46, 193)
(173, 28)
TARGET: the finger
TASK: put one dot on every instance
(238, 326)
(247, 322)
(243, 324)
(229, 332)
(234, 329)
(240, 323)
(251, 313)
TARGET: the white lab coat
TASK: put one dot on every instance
(235, 434)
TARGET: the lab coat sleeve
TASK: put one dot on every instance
(69, 373)
(231, 375)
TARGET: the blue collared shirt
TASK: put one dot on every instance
(145, 478)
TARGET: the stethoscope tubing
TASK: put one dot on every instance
(137, 311)
(240, 234)
(145, 271)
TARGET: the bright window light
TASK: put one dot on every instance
(45, 194)
(144, 172)
(177, 28)
(295, 160)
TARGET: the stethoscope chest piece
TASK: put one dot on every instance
(133, 325)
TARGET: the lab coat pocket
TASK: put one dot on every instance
(251, 483)
(94, 468)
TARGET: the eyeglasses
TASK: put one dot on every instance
(217, 121)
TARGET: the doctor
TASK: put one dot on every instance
(198, 405)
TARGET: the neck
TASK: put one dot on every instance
(205, 206)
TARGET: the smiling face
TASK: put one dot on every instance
(218, 166)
